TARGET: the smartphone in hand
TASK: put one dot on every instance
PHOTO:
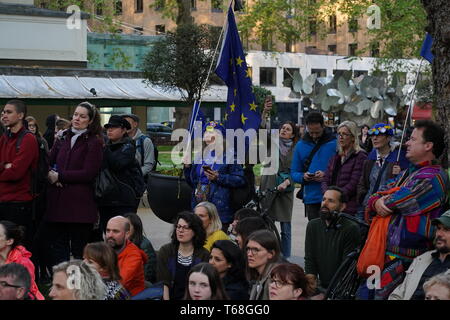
(207, 168)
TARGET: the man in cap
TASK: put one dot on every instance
(428, 264)
(145, 153)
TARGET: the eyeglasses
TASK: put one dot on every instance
(184, 228)
(5, 284)
(254, 251)
(344, 135)
(278, 283)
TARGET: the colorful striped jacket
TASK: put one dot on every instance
(422, 196)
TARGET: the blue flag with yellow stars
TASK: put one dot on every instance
(241, 111)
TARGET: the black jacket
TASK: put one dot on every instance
(120, 159)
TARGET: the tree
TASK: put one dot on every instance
(438, 13)
(181, 61)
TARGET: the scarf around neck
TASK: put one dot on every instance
(285, 145)
(76, 133)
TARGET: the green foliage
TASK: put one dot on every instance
(119, 59)
(260, 96)
(402, 22)
(181, 60)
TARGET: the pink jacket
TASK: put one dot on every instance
(22, 256)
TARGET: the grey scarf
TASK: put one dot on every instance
(77, 133)
(285, 146)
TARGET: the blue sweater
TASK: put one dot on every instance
(312, 190)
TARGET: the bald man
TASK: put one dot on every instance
(131, 259)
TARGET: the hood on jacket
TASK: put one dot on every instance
(17, 253)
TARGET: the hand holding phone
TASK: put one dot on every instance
(207, 168)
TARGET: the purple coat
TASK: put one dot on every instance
(77, 169)
(346, 177)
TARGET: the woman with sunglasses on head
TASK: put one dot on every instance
(288, 281)
(381, 164)
(345, 168)
(229, 262)
(263, 254)
(204, 283)
(175, 259)
(213, 175)
(75, 159)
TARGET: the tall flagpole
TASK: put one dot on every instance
(194, 116)
(410, 107)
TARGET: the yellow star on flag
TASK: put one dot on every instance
(226, 116)
(232, 106)
(239, 61)
(235, 92)
(253, 106)
(248, 73)
(231, 61)
(243, 118)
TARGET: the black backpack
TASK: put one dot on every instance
(38, 174)
(140, 145)
(239, 197)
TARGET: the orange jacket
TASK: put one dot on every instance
(131, 266)
(22, 256)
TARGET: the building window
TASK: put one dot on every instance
(375, 50)
(268, 76)
(139, 6)
(320, 72)
(138, 30)
(118, 8)
(288, 75)
(357, 73)
(311, 50)
(193, 5)
(332, 48)
(401, 78)
(216, 6)
(160, 29)
(312, 26)
(266, 43)
(352, 47)
(352, 25)
(99, 9)
(290, 46)
(332, 24)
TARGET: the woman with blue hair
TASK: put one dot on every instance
(212, 176)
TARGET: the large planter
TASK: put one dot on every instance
(168, 195)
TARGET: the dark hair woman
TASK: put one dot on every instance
(245, 227)
(176, 258)
(138, 238)
(119, 158)
(204, 283)
(75, 160)
(263, 253)
(11, 236)
(288, 281)
(103, 258)
(49, 134)
(229, 261)
(280, 205)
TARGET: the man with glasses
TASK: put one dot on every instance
(310, 160)
(131, 259)
(15, 282)
(416, 197)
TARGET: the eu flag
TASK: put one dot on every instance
(241, 109)
(426, 48)
(197, 115)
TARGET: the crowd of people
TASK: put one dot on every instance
(80, 229)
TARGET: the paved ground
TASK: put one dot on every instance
(158, 231)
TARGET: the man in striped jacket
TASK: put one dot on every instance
(418, 195)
